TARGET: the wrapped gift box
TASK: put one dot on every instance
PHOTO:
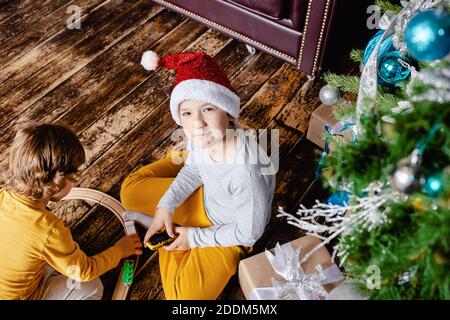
(319, 118)
(257, 272)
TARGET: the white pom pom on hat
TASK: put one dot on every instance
(150, 60)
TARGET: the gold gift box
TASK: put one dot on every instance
(319, 118)
(257, 272)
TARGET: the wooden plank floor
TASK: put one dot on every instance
(91, 80)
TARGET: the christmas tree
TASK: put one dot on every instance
(392, 181)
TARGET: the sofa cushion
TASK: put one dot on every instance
(297, 13)
(272, 8)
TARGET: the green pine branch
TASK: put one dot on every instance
(344, 110)
(357, 55)
(385, 102)
(343, 82)
(386, 5)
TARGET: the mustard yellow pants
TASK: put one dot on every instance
(196, 274)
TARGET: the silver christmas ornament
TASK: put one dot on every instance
(404, 178)
(407, 276)
(329, 95)
(404, 278)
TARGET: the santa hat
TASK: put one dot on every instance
(199, 77)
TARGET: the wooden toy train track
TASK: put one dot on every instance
(96, 197)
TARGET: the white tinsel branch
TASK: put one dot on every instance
(364, 212)
(439, 80)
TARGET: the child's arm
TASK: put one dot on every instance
(65, 256)
(186, 182)
(250, 199)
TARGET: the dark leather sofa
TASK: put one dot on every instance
(313, 35)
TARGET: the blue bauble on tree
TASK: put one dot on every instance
(391, 70)
(427, 35)
(339, 198)
(385, 47)
(433, 184)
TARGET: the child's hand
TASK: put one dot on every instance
(181, 242)
(162, 219)
(129, 245)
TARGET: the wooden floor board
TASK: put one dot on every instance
(10, 10)
(255, 72)
(123, 20)
(8, 7)
(40, 34)
(35, 17)
(103, 68)
(298, 112)
(272, 96)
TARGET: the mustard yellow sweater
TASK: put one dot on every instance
(30, 237)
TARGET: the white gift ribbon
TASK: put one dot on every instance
(279, 263)
(346, 291)
(344, 125)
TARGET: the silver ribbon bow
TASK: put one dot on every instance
(296, 285)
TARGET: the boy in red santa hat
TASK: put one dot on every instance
(220, 197)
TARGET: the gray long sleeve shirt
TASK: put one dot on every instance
(238, 193)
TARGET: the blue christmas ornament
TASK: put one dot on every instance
(385, 47)
(391, 70)
(433, 185)
(339, 198)
(427, 35)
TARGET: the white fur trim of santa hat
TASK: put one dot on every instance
(204, 90)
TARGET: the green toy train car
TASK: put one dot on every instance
(127, 272)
